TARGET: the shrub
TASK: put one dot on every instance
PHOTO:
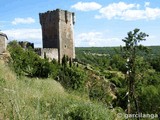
(72, 77)
(27, 62)
(99, 91)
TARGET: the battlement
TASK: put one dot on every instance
(56, 15)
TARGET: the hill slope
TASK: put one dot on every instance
(44, 99)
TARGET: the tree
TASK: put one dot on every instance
(129, 52)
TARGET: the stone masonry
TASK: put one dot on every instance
(3, 42)
(50, 53)
(57, 33)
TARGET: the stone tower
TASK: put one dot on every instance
(57, 32)
(3, 42)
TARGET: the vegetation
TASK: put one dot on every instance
(111, 63)
(129, 52)
(94, 86)
(27, 62)
(43, 99)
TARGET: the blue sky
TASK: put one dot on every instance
(98, 22)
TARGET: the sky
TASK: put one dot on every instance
(99, 23)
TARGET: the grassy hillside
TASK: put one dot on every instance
(81, 90)
(44, 99)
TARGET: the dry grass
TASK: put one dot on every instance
(43, 99)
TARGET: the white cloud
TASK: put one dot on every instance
(152, 13)
(28, 20)
(126, 11)
(133, 15)
(31, 35)
(115, 9)
(151, 40)
(146, 4)
(96, 39)
(99, 39)
(86, 6)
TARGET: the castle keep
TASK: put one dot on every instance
(57, 34)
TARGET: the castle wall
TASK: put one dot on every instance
(50, 53)
(66, 34)
(25, 44)
(3, 43)
(50, 29)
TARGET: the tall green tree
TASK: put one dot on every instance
(130, 52)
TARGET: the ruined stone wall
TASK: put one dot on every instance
(3, 43)
(57, 32)
(50, 53)
(25, 44)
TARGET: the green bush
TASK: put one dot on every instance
(118, 63)
(72, 77)
(87, 111)
(99, 90)
(27, 62)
